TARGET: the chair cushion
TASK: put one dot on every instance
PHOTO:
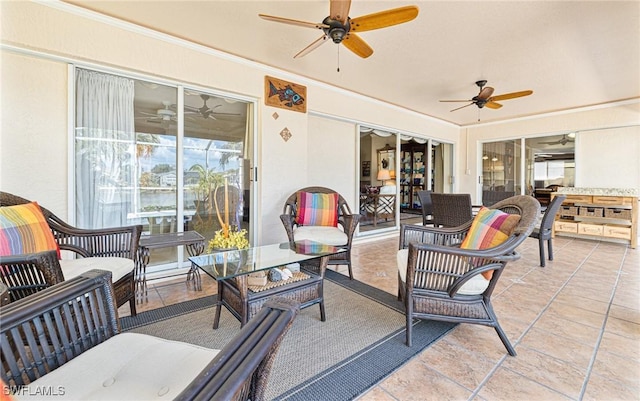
(475, 286)
(490, 227)
(317, 209)
(325, 235)
(119, 267)
(128, 366)
(24, 229)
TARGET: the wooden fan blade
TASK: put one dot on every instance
(466, 100)
(492, 105)
(510, 96)
(466, 105)
(312, 46)
(293, 22)
(485, 93)
(339, 10)
(384, 19)
(354, 43)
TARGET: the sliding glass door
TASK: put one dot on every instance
(156, 155)
(378, 185)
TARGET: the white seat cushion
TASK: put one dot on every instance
(323, 234)
(476, 285)
(128, 366)
(119, 267)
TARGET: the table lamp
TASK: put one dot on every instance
(383, 175)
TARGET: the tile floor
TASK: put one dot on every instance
(575, 325)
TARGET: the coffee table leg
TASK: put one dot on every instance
(216, 319)
(194, 276)
(141, 275)
(195, 249)
(324, 261)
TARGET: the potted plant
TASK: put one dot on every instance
(228, 237)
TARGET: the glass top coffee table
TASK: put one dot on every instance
(231, 269)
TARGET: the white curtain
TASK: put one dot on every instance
(104, 149)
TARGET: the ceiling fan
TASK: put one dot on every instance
(165, 115)
(484, 98)
(342, 29)
(206, 111)
(562, 141)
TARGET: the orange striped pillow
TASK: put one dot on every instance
(23, 229)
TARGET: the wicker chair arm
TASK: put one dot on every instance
(288, 222)
(241, 369)
(350, 223)
(495, 253)
(27, 274)
(116, 241)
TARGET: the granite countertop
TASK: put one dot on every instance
(598, 191)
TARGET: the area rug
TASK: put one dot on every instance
(361, 342)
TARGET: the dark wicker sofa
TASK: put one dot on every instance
(52, 338)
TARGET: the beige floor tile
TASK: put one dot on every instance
(460, 364)
(622, 327)
(550, 372)
(621, 369)
(578, 332)
(376, 394)
(604, 388)
(563, 348)
(416, 382)
(621, 346)
(507, 385)
(573, 313)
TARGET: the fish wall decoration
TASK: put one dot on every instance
(284, 94)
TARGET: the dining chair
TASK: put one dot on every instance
(427, 207)
(491, 197)
(543, 233)
(451, 210)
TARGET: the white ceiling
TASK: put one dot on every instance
(570, 53)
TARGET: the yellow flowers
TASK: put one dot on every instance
(232, 239)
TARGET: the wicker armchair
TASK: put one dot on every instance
(77, 320)
(343, 236)
(543, 233)
(451, 210)
(439, 281)
(32, 273)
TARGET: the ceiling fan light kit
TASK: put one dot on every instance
(342, 29)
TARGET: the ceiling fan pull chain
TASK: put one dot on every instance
(338, 70)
